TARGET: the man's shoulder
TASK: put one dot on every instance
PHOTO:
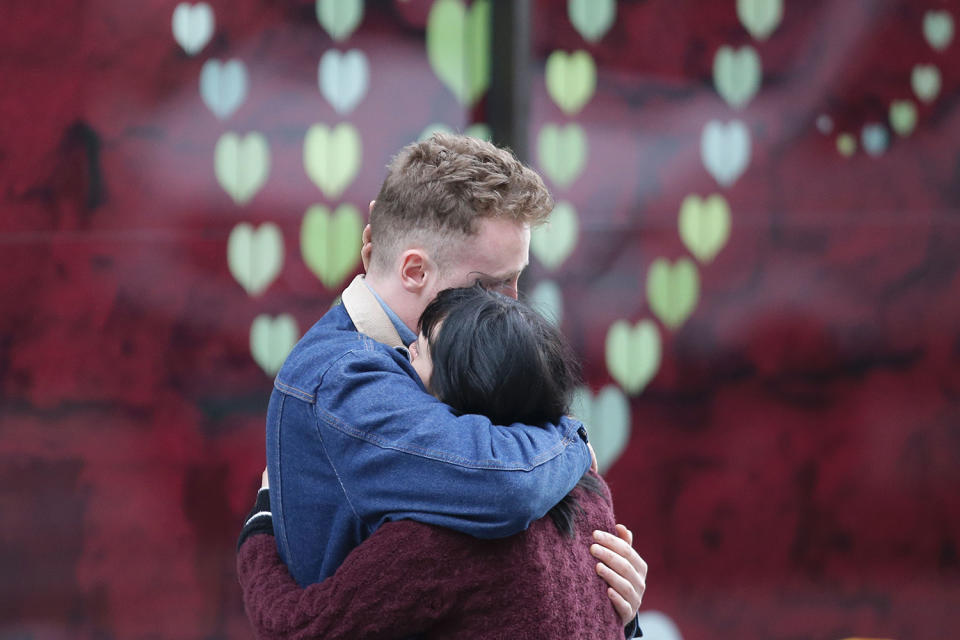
(332, 338)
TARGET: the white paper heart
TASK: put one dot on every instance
(192, 26)
(725, 150)
(875, 139)
(824, 124)
(658, 626)
(343, 78)
(223, 87)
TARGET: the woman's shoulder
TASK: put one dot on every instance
(593, 495)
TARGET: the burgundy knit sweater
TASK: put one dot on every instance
(410, 578)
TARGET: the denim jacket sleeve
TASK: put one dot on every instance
(402, 454)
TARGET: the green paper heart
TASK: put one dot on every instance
(672, 290)
(633, 354)
(562, 152)
(255, 256)
(938, 29)
(432, 128)
(547, 299)
(458, 47)
(571, 79)
(553, 242)
(479, 130)
(592, 18)
(704, 225)
(271, 340)
(736, 75)
(340, 18)
(903, 117)
(476, 130)
(607, 418)
(330, 244)
(332, 158)
(925, 81)
(760, 17)
(846, 144)
(241, 164)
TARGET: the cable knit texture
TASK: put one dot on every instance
(409, 578)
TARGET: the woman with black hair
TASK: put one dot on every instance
(478, 352)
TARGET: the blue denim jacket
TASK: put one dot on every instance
(354, 440)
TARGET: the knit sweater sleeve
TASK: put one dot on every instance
(390, 586)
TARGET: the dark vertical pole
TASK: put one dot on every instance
(508, 102)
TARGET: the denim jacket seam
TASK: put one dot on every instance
(285, 388)
(278, 493)
(367, 345)
(365, 436)
(343, 489)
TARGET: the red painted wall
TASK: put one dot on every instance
(792, 467)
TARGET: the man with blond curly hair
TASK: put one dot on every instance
(353, 437)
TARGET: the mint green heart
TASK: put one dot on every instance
(553, 241)
(938, 29)
(607, 418)
(339, 17)
(271, 340)
(479, 130)
(547, 299)
(330, 244)
(760, 17)
(571, 79)
(476, 130)
(332, 158)
(672, 290)
(925, 80)
(903, 117)
(704, 225)
(736, 74)
(255, 256)
(633, 354)
(458, 47)
(562, 152)
(241, 164)
(592, 18)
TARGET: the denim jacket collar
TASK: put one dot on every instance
(371, 315)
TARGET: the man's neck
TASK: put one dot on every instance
(394, 297)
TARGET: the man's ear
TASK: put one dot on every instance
(416, 270)
(366, 248)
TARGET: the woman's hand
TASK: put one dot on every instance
(622, 568)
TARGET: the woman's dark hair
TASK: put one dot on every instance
(495, 356)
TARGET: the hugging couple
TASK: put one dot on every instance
(423, 478)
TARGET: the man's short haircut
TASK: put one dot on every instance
(436, 191)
